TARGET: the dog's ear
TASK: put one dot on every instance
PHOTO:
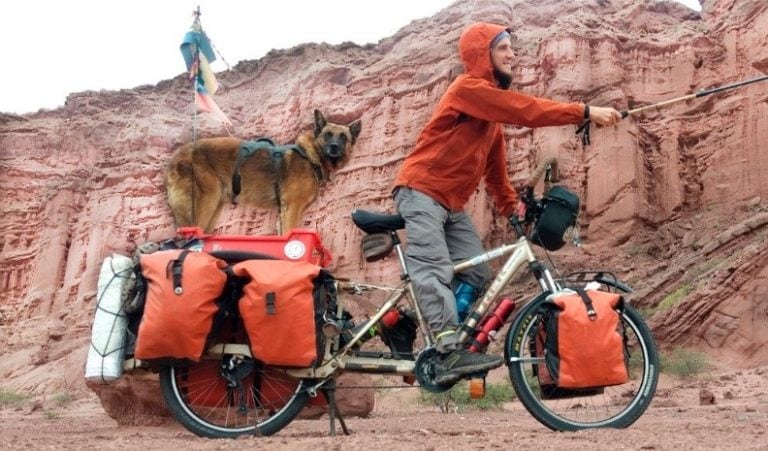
(319, 122)
(354, 129)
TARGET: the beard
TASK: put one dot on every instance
(504, 81)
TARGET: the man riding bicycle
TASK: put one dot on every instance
(462, 143)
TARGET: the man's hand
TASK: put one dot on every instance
(520, 210)
(517, 218)
(604, 116)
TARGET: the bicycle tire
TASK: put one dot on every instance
(609, 407)
(198, 398)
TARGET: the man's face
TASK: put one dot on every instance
(502, 56)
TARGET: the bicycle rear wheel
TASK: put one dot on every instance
(201, 397)
(569, 410)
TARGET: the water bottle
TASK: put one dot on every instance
(465, 297)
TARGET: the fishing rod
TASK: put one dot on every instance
(584, 128)
(691, 96)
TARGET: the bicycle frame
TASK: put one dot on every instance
(519, 254)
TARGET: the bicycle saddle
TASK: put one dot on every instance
(370, 222)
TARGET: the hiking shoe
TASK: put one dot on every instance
(451, 367)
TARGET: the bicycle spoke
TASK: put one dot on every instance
(208, 405)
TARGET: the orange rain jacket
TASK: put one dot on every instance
(464, 139)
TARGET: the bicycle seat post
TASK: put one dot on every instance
(428, 338)
(400, 256)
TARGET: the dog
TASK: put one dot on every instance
(204, 175)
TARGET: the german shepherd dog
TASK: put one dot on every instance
(204, 175)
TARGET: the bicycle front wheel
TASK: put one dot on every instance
(615, 406)
(202, 399)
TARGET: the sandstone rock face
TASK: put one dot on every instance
(84, 181)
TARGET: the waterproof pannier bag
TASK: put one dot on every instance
(547, 385)
(183, 290)
(560, 207)
(282, 310)
(584, 342)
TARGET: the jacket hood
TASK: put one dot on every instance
(475, 49)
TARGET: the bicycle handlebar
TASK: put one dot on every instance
(548, 166)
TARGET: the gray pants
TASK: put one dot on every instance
(437, 239)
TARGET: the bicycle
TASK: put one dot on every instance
(229, 393)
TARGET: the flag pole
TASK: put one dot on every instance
(196, 13)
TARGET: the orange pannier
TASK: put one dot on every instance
(584, 342)
(183, 290)
(282, 309)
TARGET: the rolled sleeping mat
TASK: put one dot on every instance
(110, 323)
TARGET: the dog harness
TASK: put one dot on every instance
(276, 153)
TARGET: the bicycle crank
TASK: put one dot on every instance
(425, 372)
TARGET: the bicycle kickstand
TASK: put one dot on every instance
(329, 390)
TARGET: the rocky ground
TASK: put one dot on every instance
(719, 410)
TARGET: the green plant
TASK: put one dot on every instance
(706, 267)
(674, 298)
(636, 249)
(51, 415)
(459, 399)
(11, 398)
(646, 312)
(445, 401)
(683, 362)
(63, 399)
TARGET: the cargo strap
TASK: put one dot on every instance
(276, 153)
(270, 305)
(174, 269)
(587, 303)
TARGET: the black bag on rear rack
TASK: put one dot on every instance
(559, 210)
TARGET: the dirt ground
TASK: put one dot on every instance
(677, 419)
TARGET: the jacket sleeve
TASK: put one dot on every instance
(496, 178)
(480, 99)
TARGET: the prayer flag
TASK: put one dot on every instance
(198, 54)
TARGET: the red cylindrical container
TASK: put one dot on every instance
(387, 321)
(491, 324)
(390, 318)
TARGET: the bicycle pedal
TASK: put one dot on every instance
(477, 388)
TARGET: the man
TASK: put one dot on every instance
(462, 143)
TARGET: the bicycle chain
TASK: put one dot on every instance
(378, 386)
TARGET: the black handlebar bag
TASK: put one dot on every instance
(559, 210)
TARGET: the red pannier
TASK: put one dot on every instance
(583, 341)
(282, 309)
(182, 293)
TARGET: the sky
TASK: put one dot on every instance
(51, 48)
